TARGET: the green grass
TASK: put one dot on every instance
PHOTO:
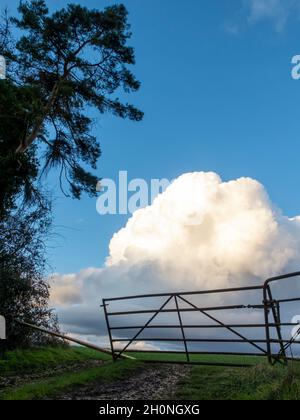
(35, 360)
(262, 382)
(244, 360)
(51, 387)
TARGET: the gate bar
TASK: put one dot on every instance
(182, 330)
(146, 325)
(229, 328)
(209, 309)
(201, 292)
(206, 340)
(104, 305)
(286, 324)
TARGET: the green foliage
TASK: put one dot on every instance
(62, 66)
(18, 173)
(24, 293)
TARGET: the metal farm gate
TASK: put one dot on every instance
(137, 319)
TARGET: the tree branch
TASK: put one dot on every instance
(24, 145)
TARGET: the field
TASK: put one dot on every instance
(77, 373)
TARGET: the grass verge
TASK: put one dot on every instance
(53, 386)
(261, 382)
(35, 360)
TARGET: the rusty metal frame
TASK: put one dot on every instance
(271, 309)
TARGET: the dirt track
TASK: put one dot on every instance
(158, 382)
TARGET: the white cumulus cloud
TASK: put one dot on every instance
(204, 228)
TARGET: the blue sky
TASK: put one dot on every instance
(218, 96)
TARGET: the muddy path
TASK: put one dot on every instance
(151, 382)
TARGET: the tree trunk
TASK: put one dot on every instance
(39, 123)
